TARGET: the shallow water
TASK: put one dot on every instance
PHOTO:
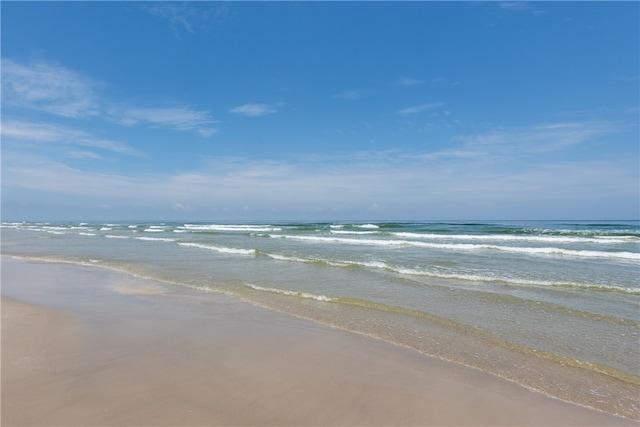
(551, 305)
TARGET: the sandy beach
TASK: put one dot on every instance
(88, 346)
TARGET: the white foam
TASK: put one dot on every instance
(111, 236)
(221, 249)
(155, 239)
(548, 251)
(515, 238)
(230, 227)
(299, 294)
(367, 226)
(86, 234)
(353, 232)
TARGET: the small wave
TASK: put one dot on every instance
(223, 227)
(155, 239)
(86, 234)
(534, 251)
(312, 260)
(367, 226)
(509, 280)
(467, 277)
(515, 238)
(299, 294)
(112, 236)
(154, 230)
(353, 232)
(221, 249)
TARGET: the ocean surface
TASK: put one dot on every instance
(554, 306)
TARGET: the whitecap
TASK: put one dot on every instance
(221, 249)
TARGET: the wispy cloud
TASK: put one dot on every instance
(47, 87)
(45, 133)
(520, 6)
(538, 138)
(410, 81)
(403, 181)
(254, 110)
(62, 92)
(350, 95)
(187, 16)
(509, 145)
(181, 119)
(416, 109)
(515, 5)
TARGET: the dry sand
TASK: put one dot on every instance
(113, 350)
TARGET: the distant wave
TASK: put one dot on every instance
(221, 249)
(155, 229)
(230, 227)
(522, 238)
(627, 256)
(155, 239)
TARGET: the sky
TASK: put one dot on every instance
(320, 110)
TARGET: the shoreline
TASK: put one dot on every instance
(121, 350)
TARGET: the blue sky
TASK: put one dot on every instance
(320, 110)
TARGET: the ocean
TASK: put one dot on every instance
(551, 305)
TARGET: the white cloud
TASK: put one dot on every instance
(188, 16)
(514, 5)
(416, 109)
(520, 6)
(83, 155)
(48, 87)
(43, 133)
(396, 182)
(179, 15)
(182, 119)
(180, 207)
(62, 92)
(410, 81)
(350, 95)
(254, 110)
(404, 183)
(537, 138)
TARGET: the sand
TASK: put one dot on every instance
(85, 346)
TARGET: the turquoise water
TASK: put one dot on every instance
(551, 305)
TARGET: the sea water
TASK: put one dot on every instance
(553, 306)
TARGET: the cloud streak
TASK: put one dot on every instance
(254, 110)
(181, 119)
(410, 81)
(351, 95)
(393, 181)
(536, 138)
(62, 92)
(45, 133)
(49, 88)
(187, 16)
(417, 109)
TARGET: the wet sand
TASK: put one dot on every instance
(85, 346)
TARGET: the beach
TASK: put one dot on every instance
(91, 346)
